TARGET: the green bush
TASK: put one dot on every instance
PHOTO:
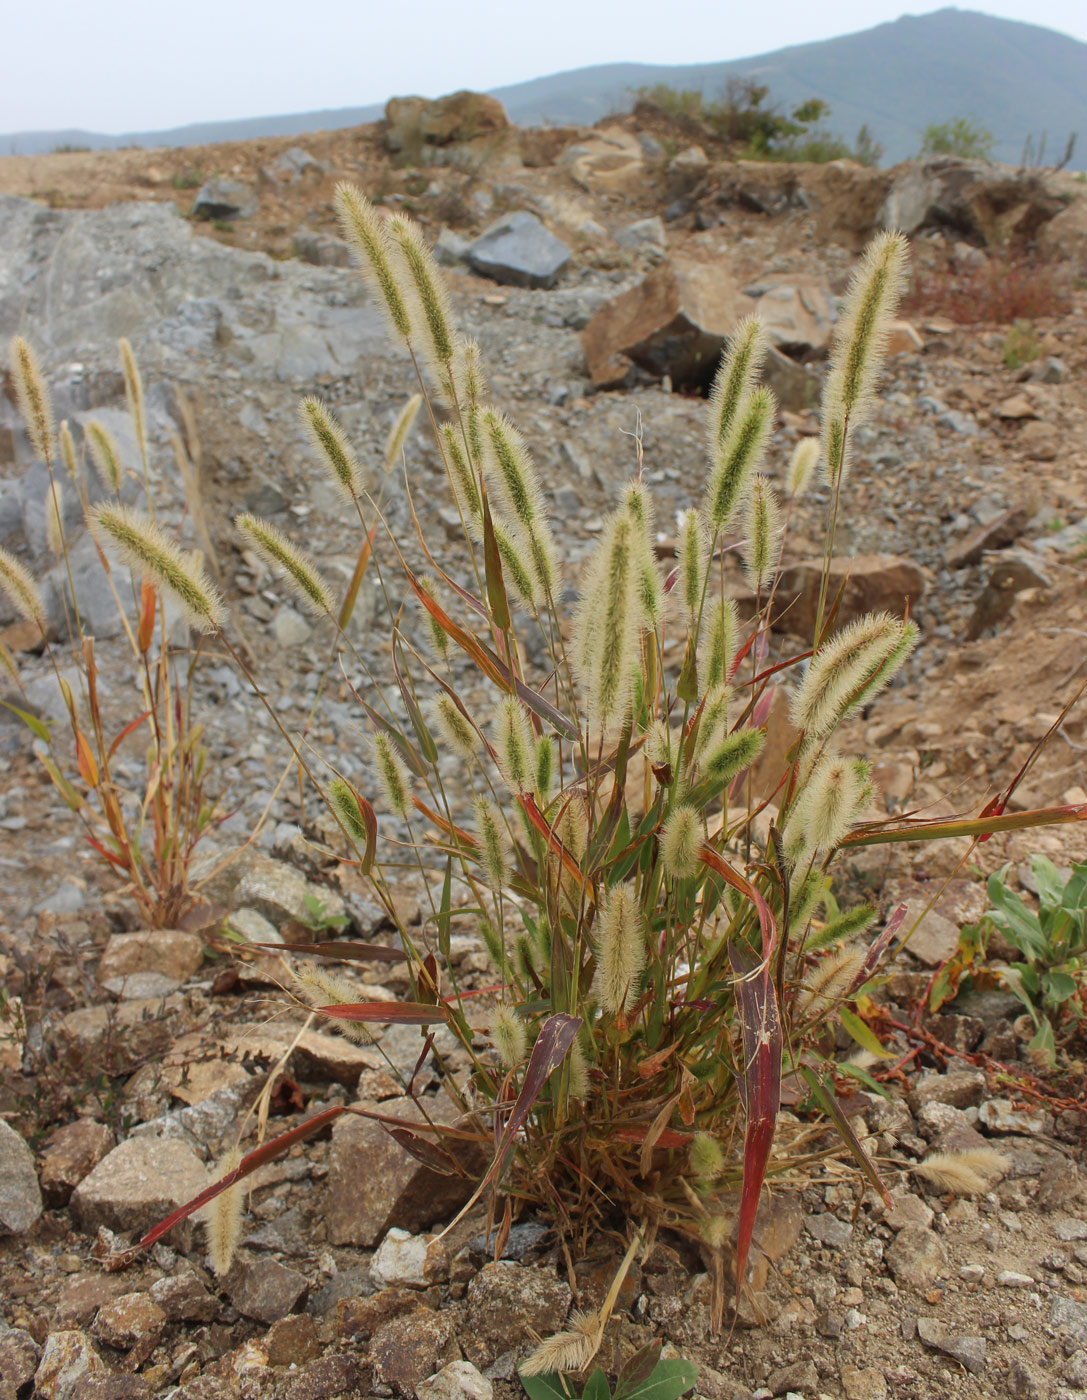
(962, 136)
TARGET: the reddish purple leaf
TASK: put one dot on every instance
(876, 951)
(391, 1013)
(344, 951)
(708, 856)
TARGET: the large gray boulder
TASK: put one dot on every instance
(517, 249)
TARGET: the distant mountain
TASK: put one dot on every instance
(32, 143)
(1019, 80)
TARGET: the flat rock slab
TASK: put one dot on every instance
(868, 583)
(520, 251)
(168, 952)
(138, 1184)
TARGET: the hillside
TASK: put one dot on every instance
(1019, 80)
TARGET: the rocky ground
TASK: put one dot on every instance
(133, 1058)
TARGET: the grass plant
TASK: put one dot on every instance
(661, 966)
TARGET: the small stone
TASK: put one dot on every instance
(916, 1257)
(224, 199)
(643, 233)
(959, 1089)
(138, 1184)
(407, 1350)
(263, 1289)
(458, 1381)
(1070, 1316)
(359, 1317)
(1070, 1230)
(517, 249)
(796, 1376)
(292, 1339)
(1008, 1278)
(968, 1351)
(290, 628)
(829, 1230)
(867, 1384)
(1017, 407)
(908, 1210)
(413, 1260)
(20, 1197)
(128, 1319)
(279, 892)
(972, 1273)
(111, 1385)
(505, 1300)
(168, 952)
(183, 1297)
(373, 1184)
(999, 1116)
(66, 1358)
(1023, 1382)
(325, 1379)
(19, 1355)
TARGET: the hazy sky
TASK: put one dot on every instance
(141, 65)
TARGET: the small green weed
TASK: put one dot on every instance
(1021, 346)
(1052, 978)
(187, 179)
(644, 1377)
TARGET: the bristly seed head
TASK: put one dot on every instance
(850, 669)
(105, 455)
(510, 1036)
(734, 381)
(302, 574)
(429, 289)
(398, 433)
(620, 956)
(827, 805)
(717, 649)
(392, 774)
(365, 230)
(514, 744)
(133, 392)
(649, 588)
(32, 396)
(681, 839)
(692, 551)
(344, 801)
(224, 1218)
(67, 451)
(457, 731)
(606, 623)
(544, 764)
(494, 842)
(802, 465)
(335, 449)
(739, 458)
(763, 529)
(859, 347)
(54, 518)
(149, 550)
(706, 1157)
(18, 586)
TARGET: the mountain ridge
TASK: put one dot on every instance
(1019, 80)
